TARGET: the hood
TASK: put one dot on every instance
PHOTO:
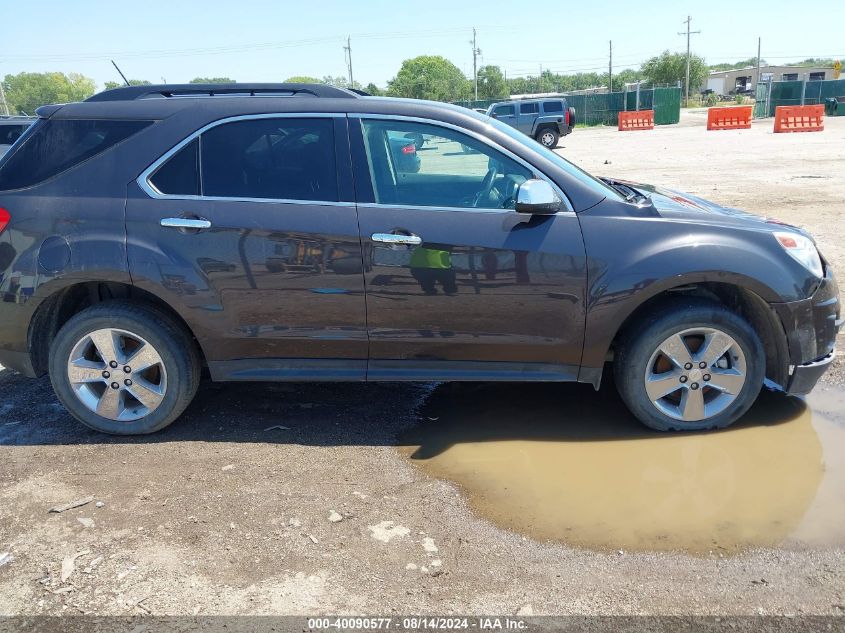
(684, 206)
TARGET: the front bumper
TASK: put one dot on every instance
(811, 327)
(804, 377)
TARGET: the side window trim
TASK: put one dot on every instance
(479, 137)
(147, 187)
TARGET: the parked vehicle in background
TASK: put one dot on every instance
(544, 120)
(282, 232)
(11, 129)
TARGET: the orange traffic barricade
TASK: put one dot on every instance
(639, 120)
(807, 118)
(729, 118)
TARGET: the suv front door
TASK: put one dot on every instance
(458, 283)
(250, 229)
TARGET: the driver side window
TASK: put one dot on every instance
(422, 165)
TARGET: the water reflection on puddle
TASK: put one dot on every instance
(562, 463)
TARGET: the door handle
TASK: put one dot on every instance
(186, 223)
(392, 238)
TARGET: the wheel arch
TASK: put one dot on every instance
(736, 294)
(55, 310)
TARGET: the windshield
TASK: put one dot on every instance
(574, 171)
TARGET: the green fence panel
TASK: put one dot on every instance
(785, 93)
(667, 106)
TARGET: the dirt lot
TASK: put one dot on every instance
(342, 508)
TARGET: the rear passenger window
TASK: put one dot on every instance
(552, 106)
(529, 108)
(56, 145)
(180, 175)
(284, 159)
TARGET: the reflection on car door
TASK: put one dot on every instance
(459, 284)
(271, 277)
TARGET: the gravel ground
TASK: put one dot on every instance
(224, 514)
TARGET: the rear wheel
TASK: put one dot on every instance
(696, 366)
(124, 369)
(548, 137)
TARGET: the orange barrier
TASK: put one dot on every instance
(731, 118)
(640, 120)
(808, 118)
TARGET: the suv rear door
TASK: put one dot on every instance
(459, 284)
(250, 226)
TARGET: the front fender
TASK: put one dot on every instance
(634, 259)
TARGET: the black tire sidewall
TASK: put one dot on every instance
(634, 354)
(170, 342)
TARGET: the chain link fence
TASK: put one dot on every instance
(772, 94)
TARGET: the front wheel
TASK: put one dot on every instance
(548, 137)
(123, 368)
(696, 366)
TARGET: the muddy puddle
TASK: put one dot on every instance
(562, 463)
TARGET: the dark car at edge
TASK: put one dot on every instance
(292, 232)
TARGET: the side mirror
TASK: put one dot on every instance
(537, 197)
(493, 115)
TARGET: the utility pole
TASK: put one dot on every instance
(688, 33)
(610, 69)
(757, 78)
(475, 53)
(347, 51)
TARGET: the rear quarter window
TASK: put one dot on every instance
(56, 145)
(552, 106)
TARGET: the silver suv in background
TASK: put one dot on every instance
(11, 129)
(544, 120)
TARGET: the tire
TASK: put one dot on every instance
(714, 396)
(164, 389)
(547, 137)
(572, 118)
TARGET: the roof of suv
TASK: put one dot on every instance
(224, 100)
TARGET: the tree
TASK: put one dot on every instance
(373, 89)
(339, 82)
(429, 77)
(27, 91)
(303, 79)
(669, 68)
(119, 84)
(212, 80)
(491, 83)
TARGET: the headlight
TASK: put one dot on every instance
(802, 249)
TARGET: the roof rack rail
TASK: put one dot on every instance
(133, 93)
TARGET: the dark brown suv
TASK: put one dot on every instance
(271, 232)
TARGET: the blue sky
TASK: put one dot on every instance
(262, 40)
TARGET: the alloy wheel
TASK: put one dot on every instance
(695, 374)
(117, 374)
